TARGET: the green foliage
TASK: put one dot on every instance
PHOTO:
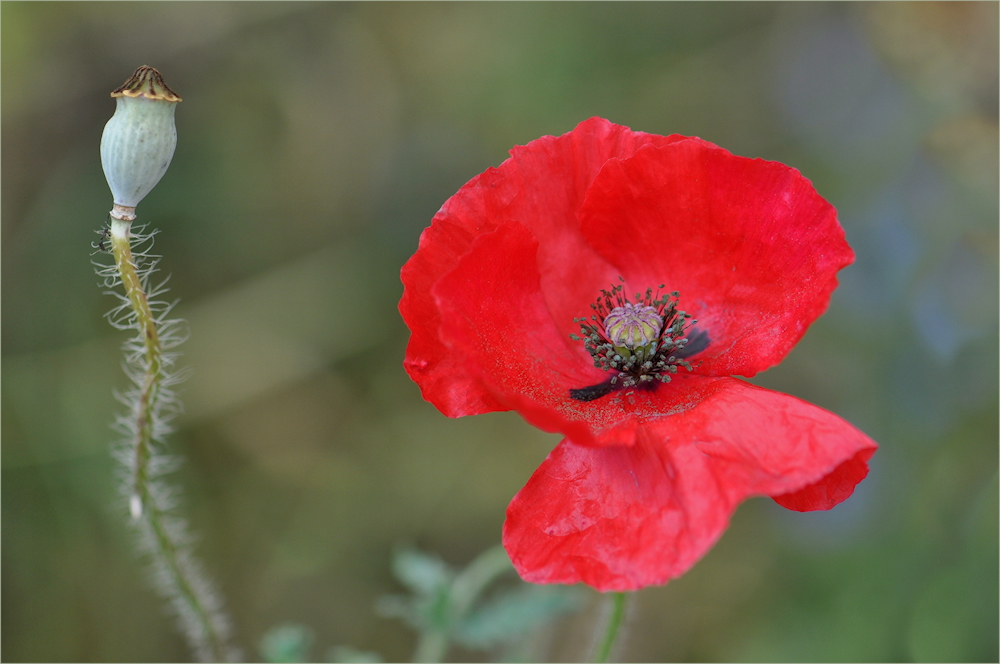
(429, 580)
(445, 606)
(287, 643)
(422, 573)
(448, 606)
(513, 613)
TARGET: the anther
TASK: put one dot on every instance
(642, 341)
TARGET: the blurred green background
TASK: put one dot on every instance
(315, 142)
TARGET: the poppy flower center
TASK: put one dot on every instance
(639, 343)
(633, 326)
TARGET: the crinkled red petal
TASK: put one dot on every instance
(832, 489)
(752, 248)
(440, 375)
(494, 316)
(541, 186)
(622, 518)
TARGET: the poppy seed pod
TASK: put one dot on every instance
(139, 139)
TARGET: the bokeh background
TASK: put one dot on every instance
(316, 141)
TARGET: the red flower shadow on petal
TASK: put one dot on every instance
(654, 469)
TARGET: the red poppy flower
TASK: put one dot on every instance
(519, 297)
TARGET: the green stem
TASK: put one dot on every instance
(464, 591)
(431, 647)
(141, 504)
(611, 631)
(473, 580)
(122, 249)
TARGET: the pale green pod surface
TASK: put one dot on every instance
(139, 139)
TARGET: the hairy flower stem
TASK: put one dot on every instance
(611, 631)
(164, 535)
(121, 248)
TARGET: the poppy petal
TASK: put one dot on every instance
(648, 476)
(752, 248)
(832, 489)
(621, 518)
(495, 317)
(439, 374)
(541, 186)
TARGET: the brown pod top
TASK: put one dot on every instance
(146, 82)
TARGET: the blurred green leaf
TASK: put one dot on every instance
(448, 607)
(422, 573)
(513, 614)
(430, 580)
(286, 643)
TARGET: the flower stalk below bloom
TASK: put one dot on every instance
(153, 376)
(151, 404)
(611, 630)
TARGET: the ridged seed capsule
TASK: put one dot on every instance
(139, 139)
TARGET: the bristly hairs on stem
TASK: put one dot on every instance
(136, 148)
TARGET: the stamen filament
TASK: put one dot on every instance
(638, 342)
